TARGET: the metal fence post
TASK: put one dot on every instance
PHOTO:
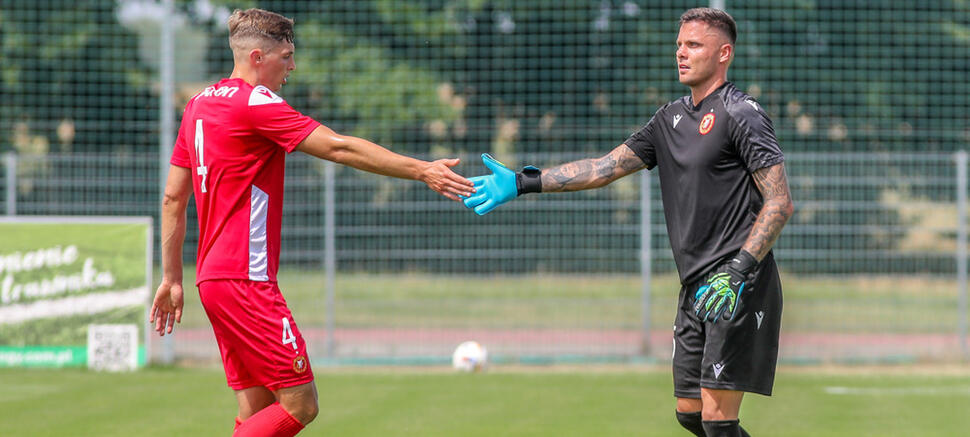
(961, 161)
(645, 261)
(10, 161)
(166, 74)
(330, 255)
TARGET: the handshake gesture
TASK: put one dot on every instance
(501, 186)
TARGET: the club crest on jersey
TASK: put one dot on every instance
(300, 364)
(263, 96)
(707, 123)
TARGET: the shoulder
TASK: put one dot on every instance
(664, 110)
(260, 95)
(672, 105)
(740, 106)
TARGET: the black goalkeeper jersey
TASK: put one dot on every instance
(705, 155)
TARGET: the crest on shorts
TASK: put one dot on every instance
(707, 123)
(300, 364)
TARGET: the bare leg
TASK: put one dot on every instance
(720, 404)
(253, 399)
(300, 401)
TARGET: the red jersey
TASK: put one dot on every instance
(241, 135)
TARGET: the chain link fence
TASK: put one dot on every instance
(869, 101)
(870, 260)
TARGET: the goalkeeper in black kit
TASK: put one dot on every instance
(725, 198)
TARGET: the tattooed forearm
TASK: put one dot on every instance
(572, 176)
(591, 173)
(774, 214)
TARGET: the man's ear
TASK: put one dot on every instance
(726, 53)
(255, 56)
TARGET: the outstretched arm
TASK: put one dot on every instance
(504, 184)
(361, 154)
(777, 209)
(591, 173)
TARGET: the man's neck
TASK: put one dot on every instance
(240, 73)
(700, 92)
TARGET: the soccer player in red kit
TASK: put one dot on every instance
(230, 154)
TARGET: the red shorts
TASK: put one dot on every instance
(258, 338)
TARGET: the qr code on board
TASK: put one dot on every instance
(112, 348)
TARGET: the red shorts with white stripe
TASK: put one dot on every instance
(258, 338)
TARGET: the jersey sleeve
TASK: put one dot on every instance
(277, 121)
(754, 136)
(643, 143)
(180, 153)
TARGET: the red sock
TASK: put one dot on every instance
(272, 421)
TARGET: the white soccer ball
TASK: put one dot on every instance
(469, 357)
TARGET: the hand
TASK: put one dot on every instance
(167, 307)
(501, 186)
(441, 179)
(720, 296)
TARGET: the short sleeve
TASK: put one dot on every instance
(180, 153)
(643, 144)
(754, 136)
(277, 121)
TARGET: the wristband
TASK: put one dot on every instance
(529, 180)
(744, 262)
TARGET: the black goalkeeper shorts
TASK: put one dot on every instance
(739, 354)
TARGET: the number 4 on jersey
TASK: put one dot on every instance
(288, 337)
(201, 170)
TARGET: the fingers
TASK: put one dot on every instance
(494, 165)
(448, 183)
(486, 207)
(475, 200)
(159, 323)
(450, 196)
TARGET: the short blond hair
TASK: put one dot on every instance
(258, 28)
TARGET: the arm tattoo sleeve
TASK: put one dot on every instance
(777, 209)
(591, 173)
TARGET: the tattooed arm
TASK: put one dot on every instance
(591, 173)
(777, 209)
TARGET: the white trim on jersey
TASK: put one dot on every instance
(263, 96)
(258, 257)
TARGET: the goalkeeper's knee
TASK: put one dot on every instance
(692, 422)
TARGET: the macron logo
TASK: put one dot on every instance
(676, 120)
(263, 96)
(760, 315)
(752, 103)
(718, 367)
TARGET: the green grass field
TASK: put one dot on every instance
(536, 401)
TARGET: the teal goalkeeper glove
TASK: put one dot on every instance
(501, 186)
(720, 296)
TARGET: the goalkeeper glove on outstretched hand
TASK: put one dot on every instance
(720, 296)
(501, 186)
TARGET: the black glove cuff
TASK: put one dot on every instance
(744, 262)
(528, 181)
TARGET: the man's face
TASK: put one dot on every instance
(277, 63)
(698, 52)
